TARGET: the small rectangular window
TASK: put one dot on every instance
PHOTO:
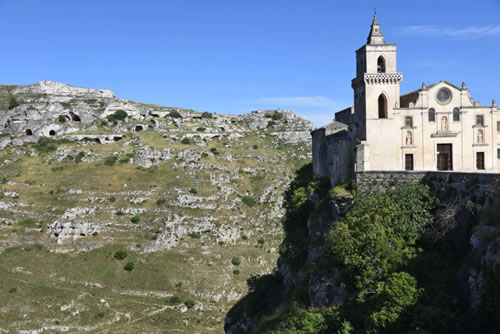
(498, 153)
(409, 122)
(479, 120)
(432, 115)
(456, 114)
(498, 126)
(480, 160)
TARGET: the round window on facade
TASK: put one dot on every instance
(443, 96)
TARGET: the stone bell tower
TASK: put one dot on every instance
(376, 93)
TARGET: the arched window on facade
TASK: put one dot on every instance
(382, 106)
(432, 115)
(381, 65)
(456, 114)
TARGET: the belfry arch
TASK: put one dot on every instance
(381, 65)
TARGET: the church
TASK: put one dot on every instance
(437, 127)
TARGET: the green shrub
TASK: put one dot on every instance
(249, 201)
(175, 114)
(99, 315)
(119, 213)
(277, 116)
(94, 234)
(340, 190)
(270, 124)
(186, 141)
(135, 219)
(160, 201)
(236, 260)
(201, 129)
(193, 191)
(13, 103)
(189, 303)
(206, 114)
(118, 115)
(256, 147)
(121, 254)
(79, 157)
(112, 199)
(236, 272)
(61, 119)
(174, 300)
(13, 290)
(129, 266)
(110, 161)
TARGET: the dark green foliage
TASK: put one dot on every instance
(236, 272)
(46, 145)
(129, 266)
(255, 147)
(61, 119)
(249, 201)
(186, 141)
(206, 114)
(121, 254)
(135, 220)
(236, 260)
(13, 290)
(302, 322)
(79, 157)
(13, 103)
(112, 199)
(270, 124)
(276, 116)
(189, 303)
(99, 315)
(110, 161)
(160, 201)
(193, 191)
(201, 129)
(118, 115)
(214, 151)
(293, 249)
(174, 300)
(175, 114)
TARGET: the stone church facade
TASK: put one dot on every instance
(435, 128)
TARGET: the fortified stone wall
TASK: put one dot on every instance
(459, 180)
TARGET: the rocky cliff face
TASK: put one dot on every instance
(193, 198)
(456, 269)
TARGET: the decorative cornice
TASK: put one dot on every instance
(379, 79)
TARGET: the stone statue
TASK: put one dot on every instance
(480, 136)
(463, 85)
(444, 123)
(409, 138)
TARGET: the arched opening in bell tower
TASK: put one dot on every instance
(381, 65)
(382, 106)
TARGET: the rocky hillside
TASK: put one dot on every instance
(118, 216)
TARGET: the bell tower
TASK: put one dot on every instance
(376, 85)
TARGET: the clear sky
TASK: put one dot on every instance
(234, 56)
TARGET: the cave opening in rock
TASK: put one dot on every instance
(139, 128)
(52, 133)
(29, 132)
(75, 117)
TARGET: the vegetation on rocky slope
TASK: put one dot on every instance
(396, 260)
(138, 234)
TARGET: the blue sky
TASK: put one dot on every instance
(230, 56)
